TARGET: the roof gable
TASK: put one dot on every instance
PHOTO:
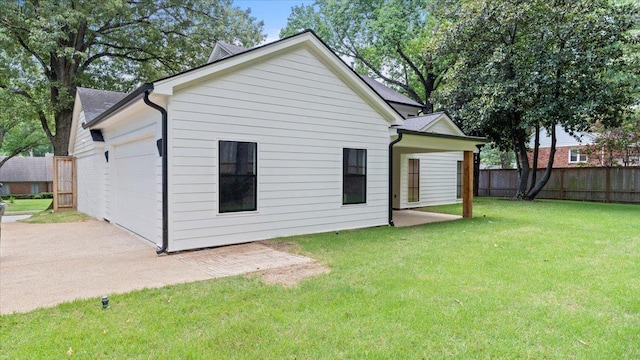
(88, 105)
(437, 123)
(222, 50)
(307, 40)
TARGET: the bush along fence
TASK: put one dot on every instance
(606, 184)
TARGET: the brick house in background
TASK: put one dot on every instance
(27, 175)
(570, 149)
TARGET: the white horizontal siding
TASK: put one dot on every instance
(438, 179)
(83, 145)
(90, 164)
(301, 116)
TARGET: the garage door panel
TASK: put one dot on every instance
(135, 187)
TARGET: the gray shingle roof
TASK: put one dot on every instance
(95, 102)
(389, 94)
(419, 122)
(230, 48)
(27, 169)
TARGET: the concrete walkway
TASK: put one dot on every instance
(42, 265)
(13, 218)
(402, 218)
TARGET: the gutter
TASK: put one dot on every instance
(165, 176)
(391, 176)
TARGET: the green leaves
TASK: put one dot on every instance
(519, 66)
(390, 40)
(50, 48)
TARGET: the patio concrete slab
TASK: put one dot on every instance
(42, 265)
(403, 218)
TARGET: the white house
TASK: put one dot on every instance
(278, 140)
(426, 179)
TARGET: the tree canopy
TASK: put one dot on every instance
(521, 66)
(392, 40)
(20, 133)
(49, 48)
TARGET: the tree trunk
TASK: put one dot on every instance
(531, 194)
(60, 140)
(524, 170)
(536, 150)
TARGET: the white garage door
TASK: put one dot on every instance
(135, 187)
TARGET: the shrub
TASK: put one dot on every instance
(46, 195)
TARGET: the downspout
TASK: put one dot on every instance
(391, 177)
(165, 177)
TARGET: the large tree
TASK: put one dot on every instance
(392, 40)
(49, 48)
(520, 66)
(19, 132)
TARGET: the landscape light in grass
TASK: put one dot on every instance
(105, 302)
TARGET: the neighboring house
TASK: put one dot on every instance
(279, 140)
(27, 175)
(570, 149)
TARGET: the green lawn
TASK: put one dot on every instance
(47, 217)
(535, 280)
(27, 205)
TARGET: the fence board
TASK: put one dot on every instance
(616, 184)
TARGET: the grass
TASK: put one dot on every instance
(542, 279)
(46, 217)
(26, 206)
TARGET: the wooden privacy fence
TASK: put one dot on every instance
(64, 183)
(615, 184)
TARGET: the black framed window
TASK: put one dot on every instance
(414, 180)
(238, 176)
(354, 176)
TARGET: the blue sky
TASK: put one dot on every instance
(274, 13)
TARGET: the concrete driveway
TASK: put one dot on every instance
(42, 265)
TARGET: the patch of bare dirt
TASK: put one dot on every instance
(293, 274)
(281, 246)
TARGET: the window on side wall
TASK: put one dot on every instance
(354, 176)
(238, 176)
(413, 175)
(576, 156)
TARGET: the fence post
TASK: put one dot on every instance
(607, 191)
(561, 173)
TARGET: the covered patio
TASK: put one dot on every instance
(429, 134)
